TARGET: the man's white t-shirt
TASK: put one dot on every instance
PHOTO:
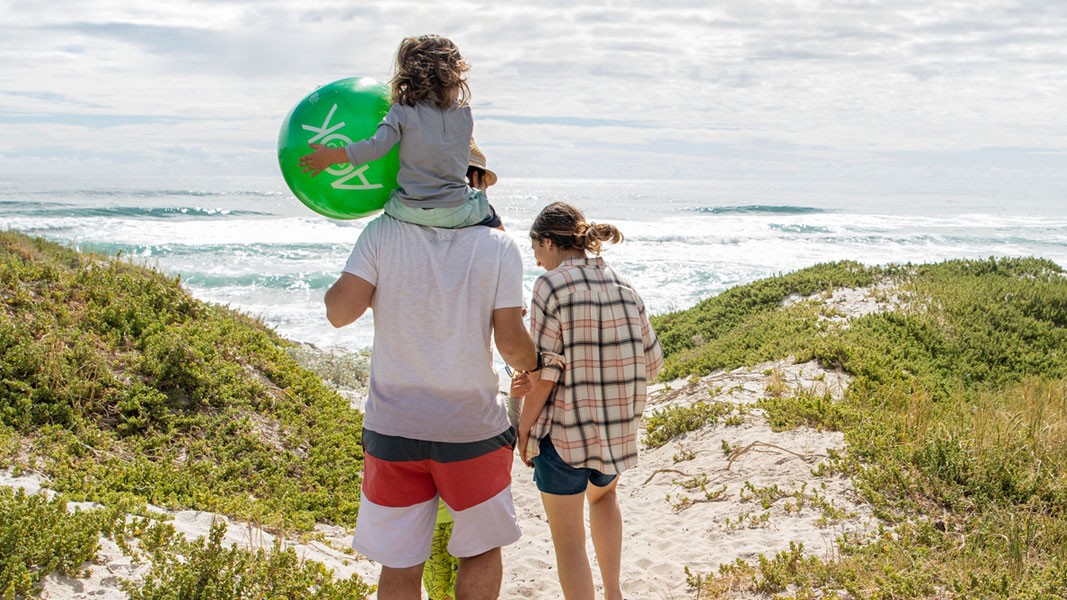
(431, 375)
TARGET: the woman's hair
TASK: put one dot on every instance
(565, 226)
(429, 68)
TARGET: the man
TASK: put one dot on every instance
(440, 569)
(433, 425)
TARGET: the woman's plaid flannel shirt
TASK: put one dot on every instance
(601, 352)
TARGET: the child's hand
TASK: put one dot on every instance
(321, 159)
(521, 385)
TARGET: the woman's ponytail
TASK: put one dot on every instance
(566, 227)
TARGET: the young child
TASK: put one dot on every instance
(431, 121)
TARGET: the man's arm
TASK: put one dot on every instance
(347, 299)
(513, 342)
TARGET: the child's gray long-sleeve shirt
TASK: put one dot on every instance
(434, 152)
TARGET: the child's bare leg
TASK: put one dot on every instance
(566, 520)
(605, 524)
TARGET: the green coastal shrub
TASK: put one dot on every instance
(120, 386)
(664, 425)
(955, 422)
(38, 536)
(714, 317)
(206, 569)
(808, 409)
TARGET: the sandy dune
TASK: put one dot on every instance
(735, 489)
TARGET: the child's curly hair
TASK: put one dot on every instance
(430, 68)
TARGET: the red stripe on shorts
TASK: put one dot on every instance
(466, 483)
(397, 484)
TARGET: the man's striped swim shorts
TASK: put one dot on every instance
(402, 481)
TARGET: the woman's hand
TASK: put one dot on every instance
(536, 393)
(520, 387)
(523, 442)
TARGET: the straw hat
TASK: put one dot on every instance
(478, 160)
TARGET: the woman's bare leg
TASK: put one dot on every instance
(566, 520)
(605, 525)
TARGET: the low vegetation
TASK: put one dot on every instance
(124, 390)
(207, 568)
(38, 535)
(955, 423)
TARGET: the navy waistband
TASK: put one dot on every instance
(394, 448)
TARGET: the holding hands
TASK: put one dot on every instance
(522, 385)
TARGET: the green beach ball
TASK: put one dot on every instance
(335, 115)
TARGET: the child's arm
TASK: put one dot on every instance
(515, 395)
(321, 159)
(531, 408)
(385, 137)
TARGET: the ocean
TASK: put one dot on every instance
(248, 243)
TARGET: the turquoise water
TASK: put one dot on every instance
(248, 243)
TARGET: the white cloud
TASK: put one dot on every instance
(673, 88)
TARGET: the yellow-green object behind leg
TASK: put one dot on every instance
(439, 572)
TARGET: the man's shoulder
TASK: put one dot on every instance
(388, 227)
(374, 225)
(500, 236)
(504, 241)
(387, 230)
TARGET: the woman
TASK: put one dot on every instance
(580, 418)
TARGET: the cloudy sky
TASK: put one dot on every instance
(823, 90)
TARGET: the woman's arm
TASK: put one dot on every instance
(653, 351)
